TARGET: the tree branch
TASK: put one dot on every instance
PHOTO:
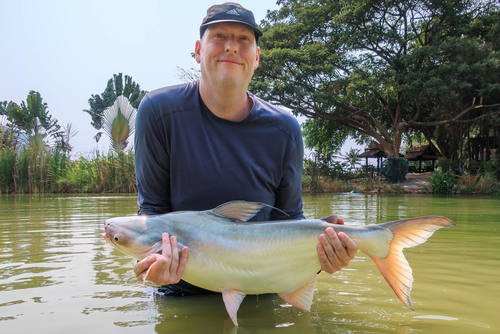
(455, 119)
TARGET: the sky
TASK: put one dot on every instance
(68, 50)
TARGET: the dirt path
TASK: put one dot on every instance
(417, 181)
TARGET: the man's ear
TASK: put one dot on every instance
(197, 48)
(257, 59)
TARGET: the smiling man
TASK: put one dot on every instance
(207, 142)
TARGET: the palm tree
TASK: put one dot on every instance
(114, 110)
(352, 158)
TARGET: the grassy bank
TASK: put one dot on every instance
(482, 178)
(54, 172)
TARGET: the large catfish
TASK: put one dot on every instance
(235, 257)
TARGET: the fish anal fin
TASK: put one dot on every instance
(302, 297)
(232, 301)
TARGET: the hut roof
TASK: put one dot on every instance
(423, 152)
(373, 152)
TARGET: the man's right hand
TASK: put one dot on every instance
(165, 268)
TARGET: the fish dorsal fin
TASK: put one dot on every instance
(302, 297)
(240, 210)
(334, 219)
(232, 301)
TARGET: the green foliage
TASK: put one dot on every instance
(445, 164)
(31, 121)
(54, 172)
(488, 184)
(352, 158)
(380, 68)
(119, 123)
(442, 182)
(491, 168)
(115, 109)
(7, 163)
(323, 136)
(112, 173)
(115, 87)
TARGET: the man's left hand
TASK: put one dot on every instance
(335, 251)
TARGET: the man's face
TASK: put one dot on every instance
(228, 54)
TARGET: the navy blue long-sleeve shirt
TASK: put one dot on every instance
(187, 158)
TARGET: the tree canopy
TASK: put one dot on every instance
(381, 69)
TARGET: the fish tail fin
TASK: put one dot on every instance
(405, 233)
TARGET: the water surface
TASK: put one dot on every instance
(57, 274)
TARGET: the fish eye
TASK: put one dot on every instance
(116, 238)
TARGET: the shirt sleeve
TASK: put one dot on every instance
(289, 192)
(152, 161)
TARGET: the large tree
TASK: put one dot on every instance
(115, 109)
(381, 68)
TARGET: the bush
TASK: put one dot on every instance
(491, 168)
(487, 184)
(442, 182)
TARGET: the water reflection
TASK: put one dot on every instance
(58, 275)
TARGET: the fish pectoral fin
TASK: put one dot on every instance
(232, 301)
(334, 219)
(302, 297)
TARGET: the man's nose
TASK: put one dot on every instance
(231, 46)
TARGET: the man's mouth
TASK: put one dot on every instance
(229, 61)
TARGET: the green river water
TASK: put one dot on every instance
(57, 274)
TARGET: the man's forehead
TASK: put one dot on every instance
(231, 25)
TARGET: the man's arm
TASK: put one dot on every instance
(152, 161)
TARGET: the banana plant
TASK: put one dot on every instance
(31, 121)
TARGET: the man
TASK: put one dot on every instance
(204, 143)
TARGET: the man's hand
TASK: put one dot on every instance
(335, 251)
(164, 268)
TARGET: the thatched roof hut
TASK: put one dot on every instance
(421, 153)
(373, 152)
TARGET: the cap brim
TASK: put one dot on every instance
(257, 31)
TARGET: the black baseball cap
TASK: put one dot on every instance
(229, 12)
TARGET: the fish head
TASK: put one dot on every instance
(131, 236)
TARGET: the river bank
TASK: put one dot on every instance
(414, 183)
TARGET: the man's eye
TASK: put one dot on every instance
(219, 36)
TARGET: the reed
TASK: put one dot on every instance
(28, 171)
(7, 163)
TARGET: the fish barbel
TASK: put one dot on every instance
(227, 254)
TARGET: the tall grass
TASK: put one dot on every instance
(53, 172)
(7, 163)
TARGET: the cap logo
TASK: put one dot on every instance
(232, 12)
